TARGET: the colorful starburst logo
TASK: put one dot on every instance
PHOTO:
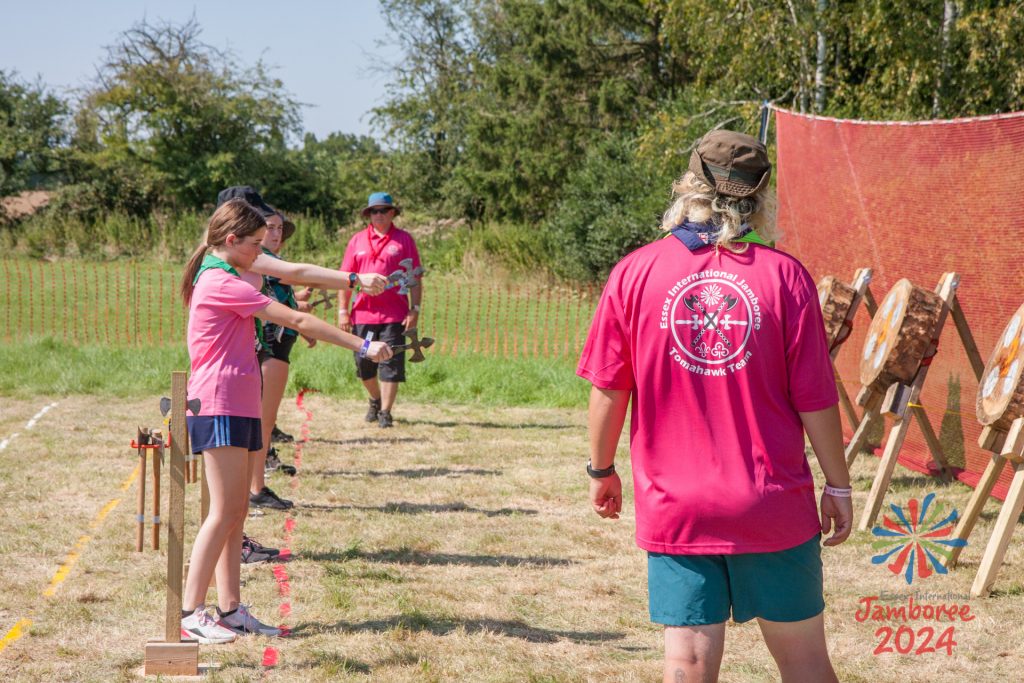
(920, 534)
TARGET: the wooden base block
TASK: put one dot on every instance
(173, 659)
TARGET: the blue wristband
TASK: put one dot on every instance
(365, 348)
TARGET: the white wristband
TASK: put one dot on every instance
(838, 493)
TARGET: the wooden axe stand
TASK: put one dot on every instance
(862, 285)
(901, 397)
(172, 655)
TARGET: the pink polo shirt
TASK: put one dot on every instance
(368, 252)
(720, 351)
(222, 345)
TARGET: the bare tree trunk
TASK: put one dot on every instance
(819, 71)
(803, 97)
(949, 15)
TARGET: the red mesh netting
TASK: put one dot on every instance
(913, 200)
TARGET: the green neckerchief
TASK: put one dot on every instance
(211, 262)
(751, 237)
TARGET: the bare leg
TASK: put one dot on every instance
(372, 388)
(227, 477)
(275, 379)
(693, 653)
(799, 649)
(388, 392)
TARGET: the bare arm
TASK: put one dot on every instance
(315, 276)
(344, 299)
(825, 432)
(311, 326)
(606, 415)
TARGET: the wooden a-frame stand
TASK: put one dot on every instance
(172, 655)
(902, 397)
(862, 286)
(1005, 447)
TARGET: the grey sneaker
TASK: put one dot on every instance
(273, 462)
(384, 419)
(243, 623)
(374, 411)
(201, 626)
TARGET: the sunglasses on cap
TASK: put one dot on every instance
(381, 210)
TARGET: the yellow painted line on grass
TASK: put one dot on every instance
(18, 630)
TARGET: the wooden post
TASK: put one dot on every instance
(158, 456)
(871, 400)
(995, 552)
(172, 656)
(946, 291)
(992, 441)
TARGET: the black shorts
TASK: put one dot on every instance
(391, 370)
(279, 350)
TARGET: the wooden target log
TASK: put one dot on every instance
(1001, 391)
(899, 336)
(836, 298)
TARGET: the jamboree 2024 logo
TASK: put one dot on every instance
(910, 544)
(712, 315)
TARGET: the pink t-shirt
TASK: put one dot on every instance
(368, 252)
(719, 352)
(222, 345)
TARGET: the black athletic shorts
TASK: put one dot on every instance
(391, 370)
(280, 350)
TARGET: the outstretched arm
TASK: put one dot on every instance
(311, 326)
(315, 276)
(825, 432)
(606, 415)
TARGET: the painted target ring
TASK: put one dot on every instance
(899, 335)
(1001, 392)
(835, 298)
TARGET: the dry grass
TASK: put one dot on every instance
(456, 547)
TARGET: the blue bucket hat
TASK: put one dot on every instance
(378, 199)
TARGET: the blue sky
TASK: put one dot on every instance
(326, 53)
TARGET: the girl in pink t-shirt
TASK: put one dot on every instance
(225, 378)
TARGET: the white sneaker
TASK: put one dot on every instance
(242, 622)
(201, 626)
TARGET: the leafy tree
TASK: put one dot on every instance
(32, 131)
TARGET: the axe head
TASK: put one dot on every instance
(417, 356)
(194, 405)
(165, 406)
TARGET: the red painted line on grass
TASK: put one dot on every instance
(271, 655)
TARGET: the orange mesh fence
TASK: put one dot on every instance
(126, 303)
(913, 200)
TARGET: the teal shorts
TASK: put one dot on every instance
(697, 590)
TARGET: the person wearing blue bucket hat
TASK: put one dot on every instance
(382, 248)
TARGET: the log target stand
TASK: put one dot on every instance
(839, 303)
(901, 342)
(1000, 407)
(148, 441)
(172, 655)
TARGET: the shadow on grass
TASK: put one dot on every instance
(365, 440)
(421, 473)
(415, 557)
(488, 425)
(403, 508)
(419, 622)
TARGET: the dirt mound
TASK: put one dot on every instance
(24, 204)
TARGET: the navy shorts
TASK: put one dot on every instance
(278, 349)
(214, 431)
(391, 370)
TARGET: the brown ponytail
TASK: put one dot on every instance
(233, 217)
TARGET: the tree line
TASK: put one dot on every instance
(559, 122)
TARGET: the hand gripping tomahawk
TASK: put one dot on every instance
(405, 278)
(417, 345)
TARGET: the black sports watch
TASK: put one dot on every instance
(600, 474)
(353, 278)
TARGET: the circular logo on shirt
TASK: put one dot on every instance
(711, 319)
(393, 250)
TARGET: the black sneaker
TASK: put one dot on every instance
(384, 419)
(252, 556)
(374, 411)
(255, 546)
(280, 437)
(268, 499)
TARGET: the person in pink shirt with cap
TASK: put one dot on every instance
(381, 248)
(717, 340)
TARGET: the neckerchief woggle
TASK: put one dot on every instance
(211, 262)
(699, 235)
